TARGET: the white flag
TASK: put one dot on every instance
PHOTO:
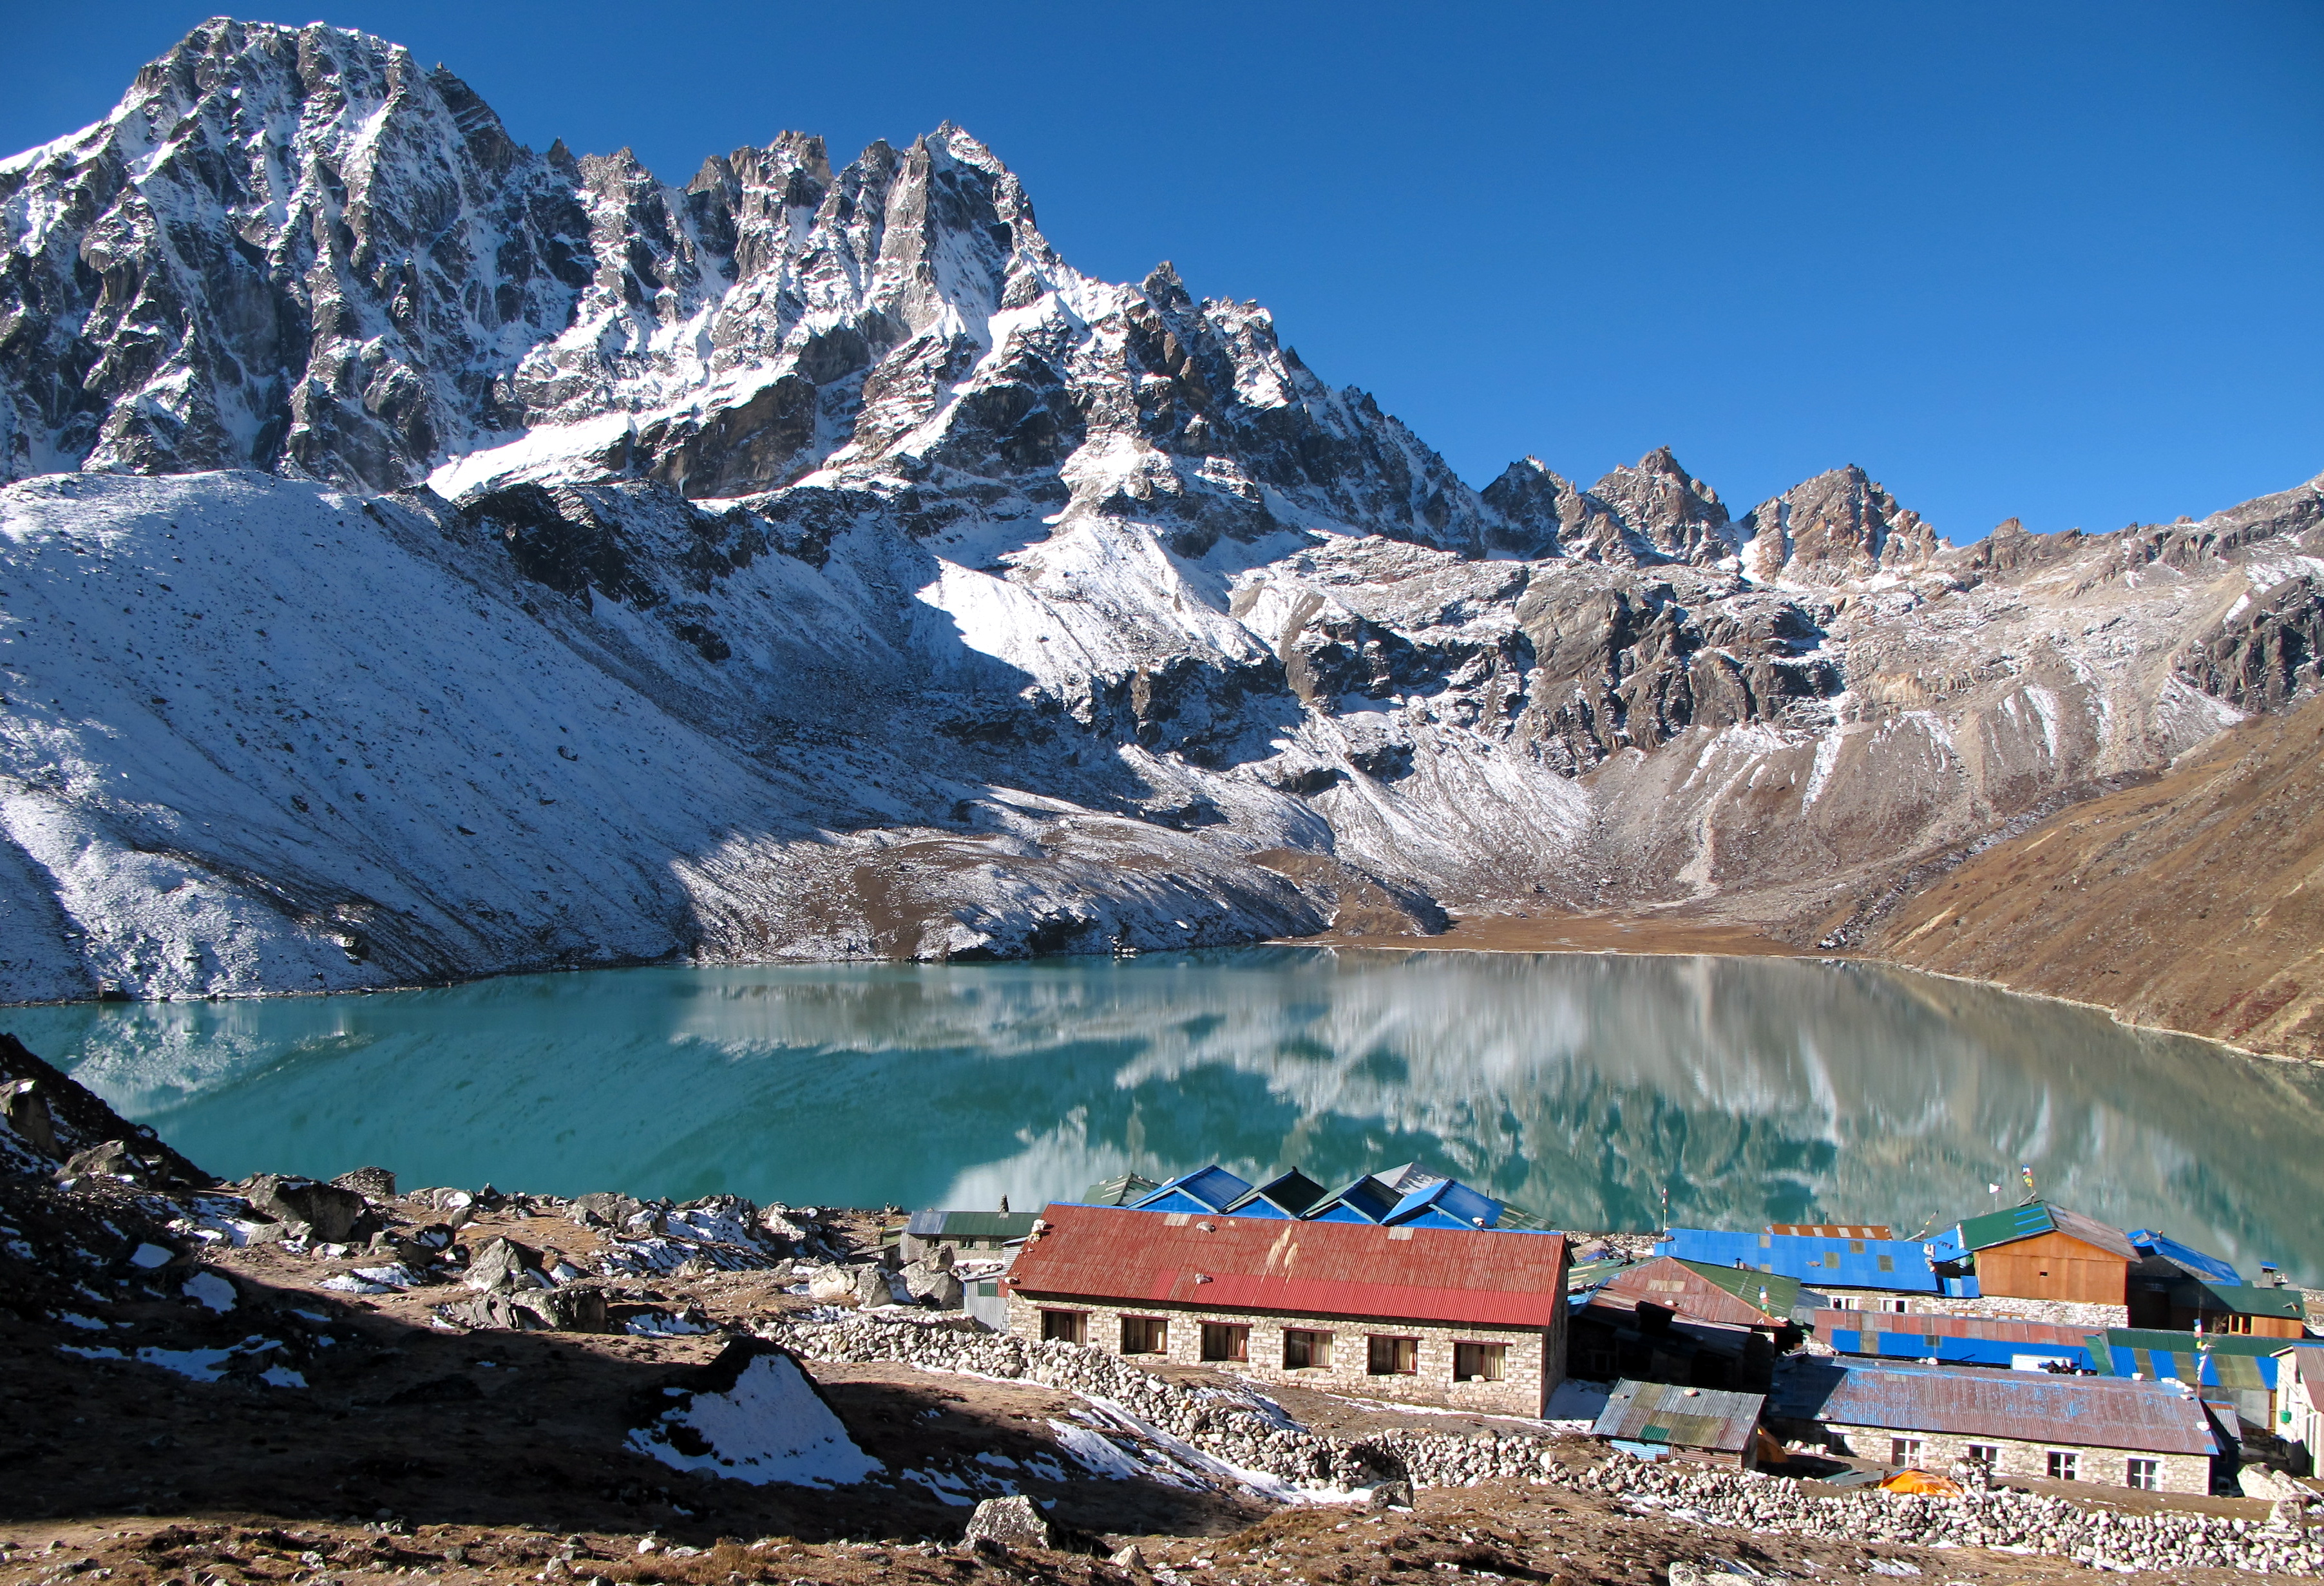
(1993, 1189)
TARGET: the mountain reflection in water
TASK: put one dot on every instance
(1578, 1085)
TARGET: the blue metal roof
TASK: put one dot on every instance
(1285, 1196)
(1367, 1200)
(2185, 1255)
(1206, 1189)
(1896, 1264)
(1446, 1203)
(1886, 1343)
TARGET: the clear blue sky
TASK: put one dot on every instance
(2060, 261)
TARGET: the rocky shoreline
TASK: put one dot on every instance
(308, 1381)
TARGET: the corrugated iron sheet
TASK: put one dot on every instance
(2237, 1361)
(1899, 1265)
(1835, 1229)
(1681, 1286)
(2029, 1406)
(1681, 1417)
(2186, 1256)
(1443, 1275)
(2001, 1228)
(1963, 1339)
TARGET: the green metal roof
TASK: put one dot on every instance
(2218, 1343)
(1782, 1293)
(2244, 1299)
(987, 1225)
(1120, 1190)
(2001, 1228)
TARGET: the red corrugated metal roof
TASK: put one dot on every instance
(1675, 1286)
(1447, 1277)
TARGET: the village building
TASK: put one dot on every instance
(1461, 1319)
(2299, 1421)
(1684, 1322)
(2205, 1306)
(2234, 1369)
(967, 1232)
(1654, 1418)
(2038, 1251)
(2154, 1436)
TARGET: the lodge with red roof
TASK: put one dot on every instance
(1456, 1317)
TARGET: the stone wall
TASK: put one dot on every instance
(2103, 1467)
(1534, 1363)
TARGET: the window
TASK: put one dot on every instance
(1895, 1308)
(1887, 1263)
(1988, 1455)
(1841, 1302)
(1225, 1341)
(1064, 1326)
(2064, 1465)
(1480, 1362)
(1855, 1248)
(2235, 1324)
(1144, 1335)
(1903, 1451)
(2143, 1474)
(1392, 1357)
(1304, 1349)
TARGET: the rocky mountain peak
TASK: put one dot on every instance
(1840, 524)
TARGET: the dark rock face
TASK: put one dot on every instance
(1835, 526)
(2266, 650)
(191, 290)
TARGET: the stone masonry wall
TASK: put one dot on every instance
(1535, 1365)
(2105, 1467)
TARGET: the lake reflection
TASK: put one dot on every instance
(1580, 1086)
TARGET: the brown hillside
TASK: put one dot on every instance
(2194, 902)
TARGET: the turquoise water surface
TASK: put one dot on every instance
(1580, 1086)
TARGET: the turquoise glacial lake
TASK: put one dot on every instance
(1583, 1086)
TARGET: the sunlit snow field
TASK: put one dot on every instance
(1580, 1086)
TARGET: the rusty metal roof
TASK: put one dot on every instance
(1697, 1291)
(1447, 1277)
(2029, 1406)
(1682, 1418)
(1997, 1329)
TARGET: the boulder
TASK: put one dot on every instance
(500, 1265)
(373, 1184)
(26, 1111)
(1011, 1522)
(492, 1311)
(1391, 1495)
(329, 1213)
(113, 1159)
(576, 1308)
(931, 1285)
(828, 1286)
(604, 1209)
(872, 1287)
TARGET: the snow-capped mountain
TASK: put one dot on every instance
(429, 557)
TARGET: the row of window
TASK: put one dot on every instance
(1304, 1348)
(1885, 1304)
(2065, 1464)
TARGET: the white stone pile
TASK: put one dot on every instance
(1244, 1430)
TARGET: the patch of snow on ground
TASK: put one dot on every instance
(770, 1426)
(207, 1289)
(1576, 1405)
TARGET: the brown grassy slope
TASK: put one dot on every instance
(2194, 902)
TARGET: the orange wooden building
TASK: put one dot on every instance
(2043, 1252)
